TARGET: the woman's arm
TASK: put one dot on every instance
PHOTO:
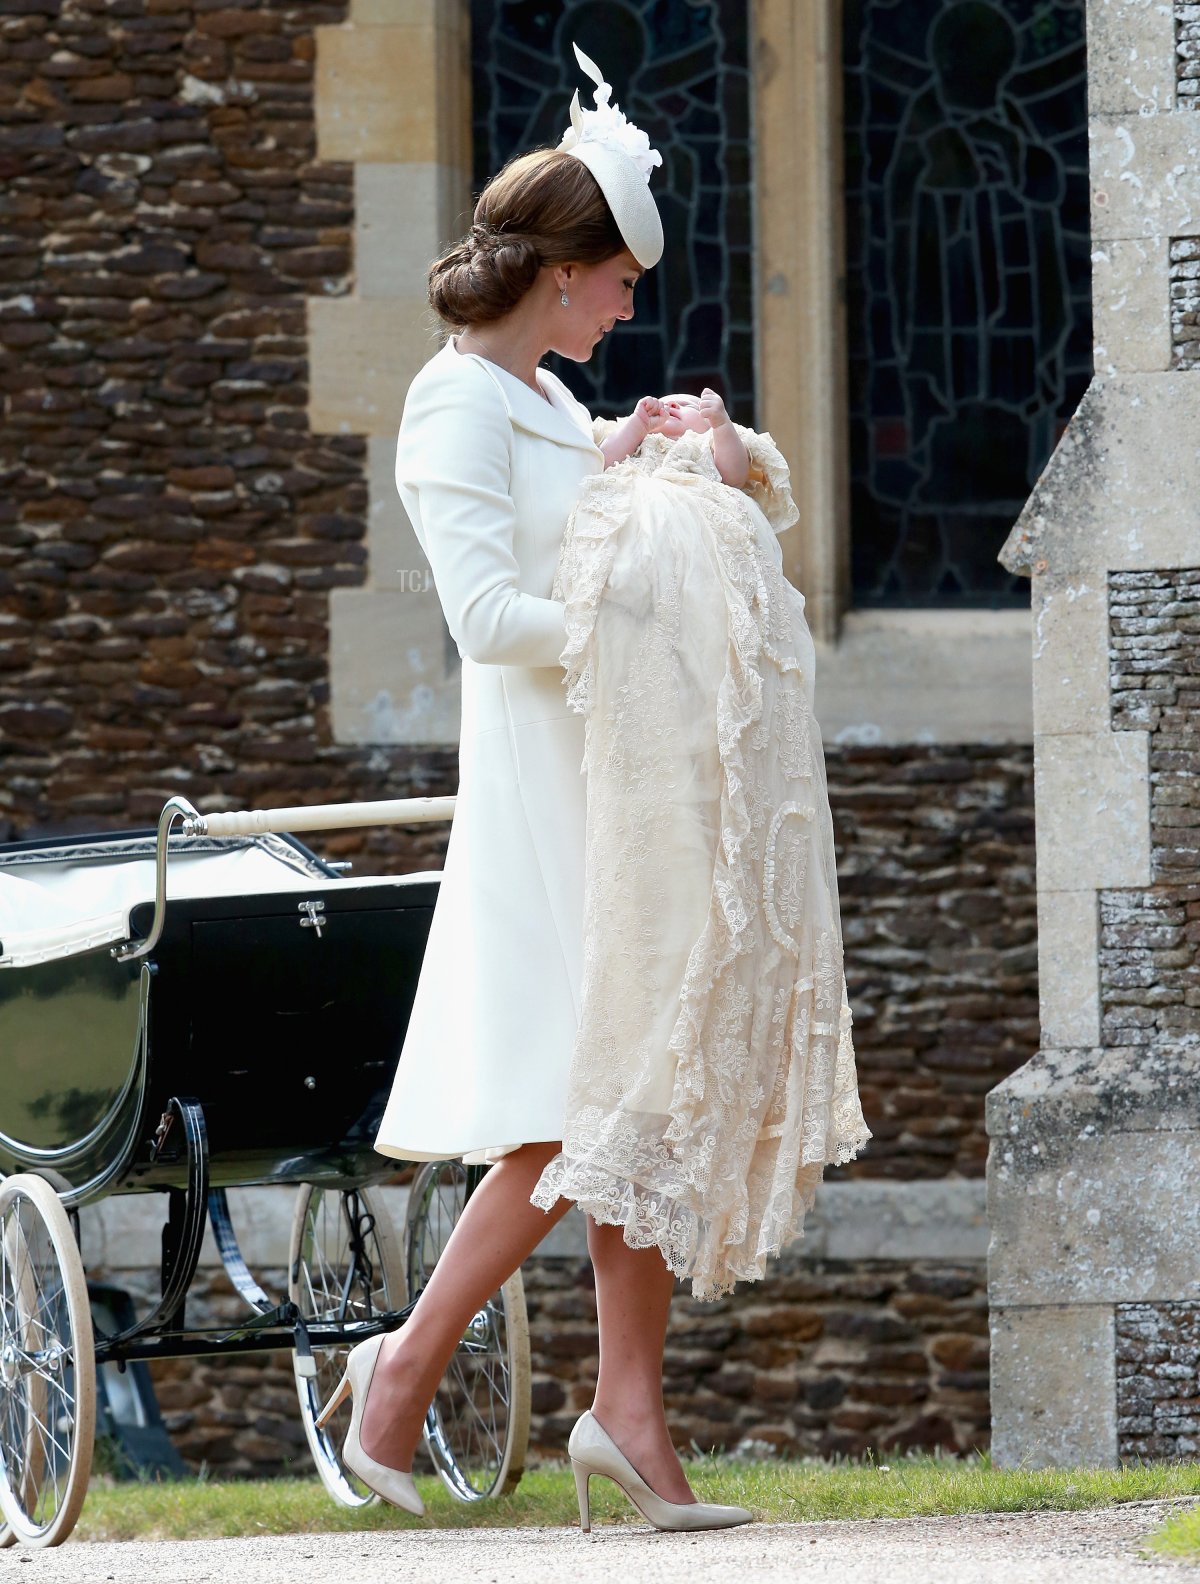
(453, 461)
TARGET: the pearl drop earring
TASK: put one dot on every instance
(564, 299)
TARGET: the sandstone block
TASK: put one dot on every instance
(1053, 1386)
(393, 93)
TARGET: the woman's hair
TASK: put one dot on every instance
(543, 207)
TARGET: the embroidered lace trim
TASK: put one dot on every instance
(713, 1076)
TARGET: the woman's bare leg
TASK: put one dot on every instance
(633, 1296)
(498, 1229)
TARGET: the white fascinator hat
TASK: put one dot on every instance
(619, 156)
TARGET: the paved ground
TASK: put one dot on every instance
(999, 1548)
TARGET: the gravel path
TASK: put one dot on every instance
(1097, 1547)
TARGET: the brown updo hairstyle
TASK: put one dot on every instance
(543, 207)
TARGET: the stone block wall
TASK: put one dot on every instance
(1150, 938)
(823, 1358)
(870, 1331)
(170, 524)
(1158, 1389)
(1187, 54)
(1185, 300)
(935, 853)
(1096, 1141)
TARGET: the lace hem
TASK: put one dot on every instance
(650, 1219)
(636, 1184)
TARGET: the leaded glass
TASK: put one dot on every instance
(679, 70)
(968, 281)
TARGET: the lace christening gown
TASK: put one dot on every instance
(713, 1074)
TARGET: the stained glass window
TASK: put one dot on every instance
(679, 70)
(968, 281)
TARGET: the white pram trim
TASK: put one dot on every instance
(58, 901)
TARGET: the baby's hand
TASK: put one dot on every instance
(713, 408)
(653, 413)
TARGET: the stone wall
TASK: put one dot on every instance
(1150, 938)
(1185, 300)
(1158, 1393)
(936, 879)
(1096, 1139)
(170, 526)
(1187, 54)
(824, 1357)
(869, 1331)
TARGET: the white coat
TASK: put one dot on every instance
(488, 472)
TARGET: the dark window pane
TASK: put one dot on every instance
(679, 71)
(968, 282)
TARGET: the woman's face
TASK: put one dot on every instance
(599, 295)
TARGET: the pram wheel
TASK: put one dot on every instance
(477, 1428)
(344, 1265)
(47, 1366)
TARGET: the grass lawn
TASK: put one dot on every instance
(902, 1487)
(1178, 1539)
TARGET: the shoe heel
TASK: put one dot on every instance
(582, 1477)
(340, 1393)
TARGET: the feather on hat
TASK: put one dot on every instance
(619, 156)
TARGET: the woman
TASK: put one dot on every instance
(491, 455)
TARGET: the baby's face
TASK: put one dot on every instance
(685, 414)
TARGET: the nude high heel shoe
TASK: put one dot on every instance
(593, 1451)
(392, 1484)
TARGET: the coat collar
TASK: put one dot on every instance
(560, 417)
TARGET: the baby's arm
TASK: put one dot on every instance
(646, 417)
(729, 453)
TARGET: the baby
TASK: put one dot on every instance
(675, 415)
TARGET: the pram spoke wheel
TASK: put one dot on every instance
(477, 1429)
(344, 1266)
(47, 1366)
